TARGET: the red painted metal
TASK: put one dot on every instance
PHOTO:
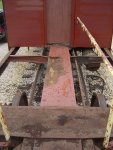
(97, 15)
(38, 22)
(58, 21)
(58, 87)
(25, 22)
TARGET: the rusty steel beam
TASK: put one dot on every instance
(97, 47)
(33, 59)
(44, 59)
(86, 59)
(58, 87)
(57, 122)
(4, 61)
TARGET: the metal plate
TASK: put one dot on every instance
(58, 21)
(37, 22)
(98, 17)
(58, 87)
(25, 22)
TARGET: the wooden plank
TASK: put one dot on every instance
(88, 145)
(59, 145)
(77, 123)
(58, 84)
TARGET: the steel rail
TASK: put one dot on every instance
(30, 100)
(39, 67)
(83, 90)
(44, 59)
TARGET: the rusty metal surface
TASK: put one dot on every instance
(98, 17)
(86, 59)
(25, 22)
(58, 87)
(91, 66)
(4, 61)
(20, 99)
(34, 83)
(35, 23)
(44, 59)
(66, 123)
(58, 13)
(83, 89)
(98, 100)
(33, 59)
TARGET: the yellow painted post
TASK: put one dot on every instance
(109, 125)
(4, 125)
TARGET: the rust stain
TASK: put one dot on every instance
(55, 69)
(35, 130)
(62, 120)
(65, 87)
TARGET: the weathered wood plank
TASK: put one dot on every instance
(58, 87)
(66, 122)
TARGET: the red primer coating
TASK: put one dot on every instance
(97, 15)
(58, 85)
(25, 22)
(38, 22)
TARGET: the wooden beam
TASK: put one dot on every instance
(63, 123)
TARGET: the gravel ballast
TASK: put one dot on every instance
(11, 78)
(21, 75)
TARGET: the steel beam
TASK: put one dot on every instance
(87, 59)
(4, 61)
(58, 87)
(33, 59)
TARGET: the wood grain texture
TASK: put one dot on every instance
(56, 122)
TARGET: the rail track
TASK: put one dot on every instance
(31, 95)
(65, 116)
